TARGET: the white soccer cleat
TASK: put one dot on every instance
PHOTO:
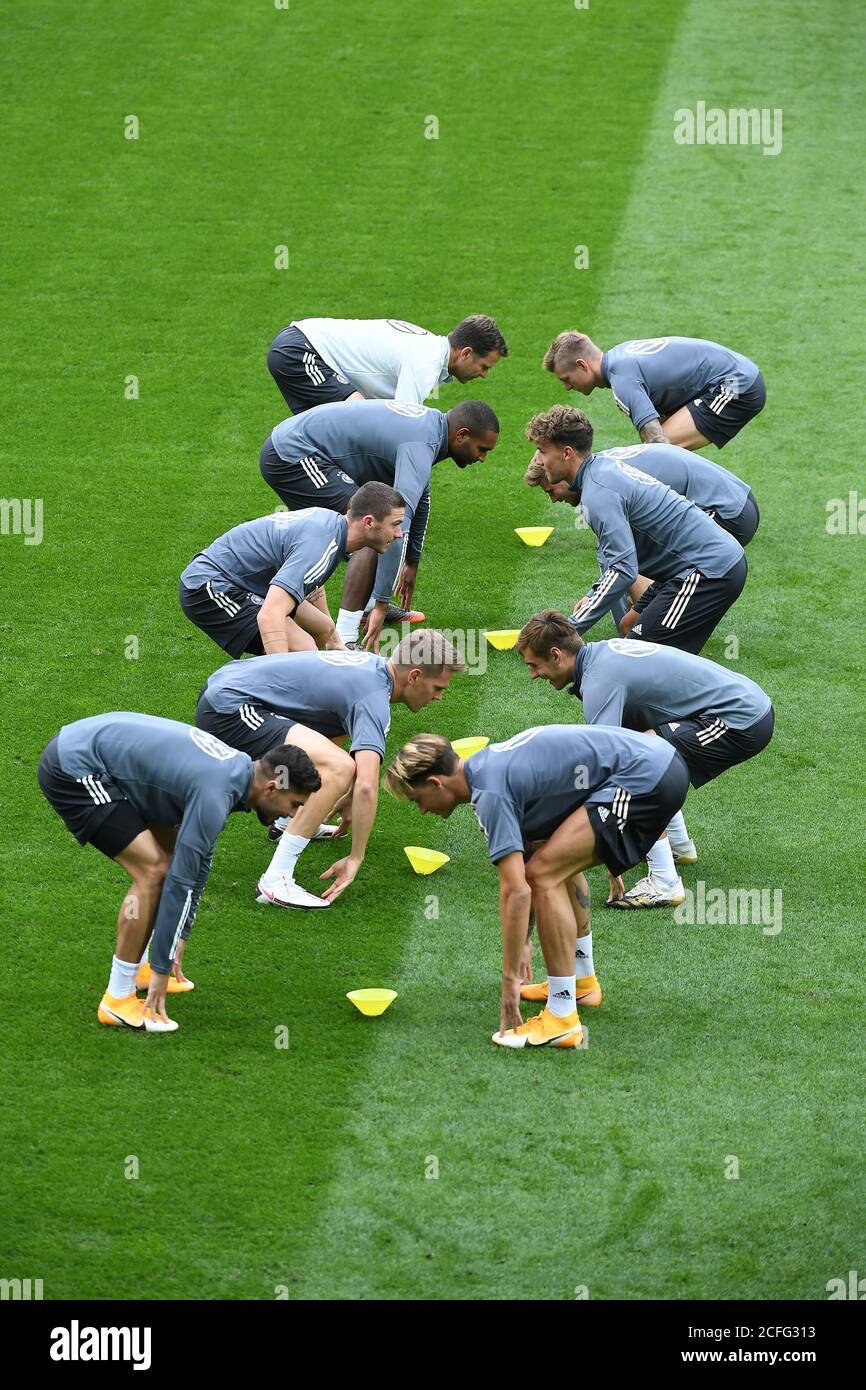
(282, 891)
(686, 853)
(650, 892)
(325, 832)
(276, 828)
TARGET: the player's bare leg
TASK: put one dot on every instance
(357, 588)
(336, 768)
(680, 429)
(314, 617)
(639, 587)
(587, 988)
(147, 863)
(179, 983)
(551, 873)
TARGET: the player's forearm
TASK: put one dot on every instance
(196, 897)
(365, 799)
(386, 572)
(418, 530)
(514, 906)
(176, 904)
(602, 597)
(652, 433)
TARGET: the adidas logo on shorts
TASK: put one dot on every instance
(603, 813)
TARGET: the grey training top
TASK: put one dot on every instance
(332, 692)
(390, 442)
(297, 551)
(524, 788)
(643, 527)
(710, 486)
(653, 377)
(172, 775)
(641, 685)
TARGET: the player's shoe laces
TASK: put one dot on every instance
(324, 832)
(588, 993)
(685, 853)
(132, 1013)
(544, 1030)
(282, 891)
(651, 892)
(145, 975)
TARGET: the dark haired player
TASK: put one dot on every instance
(642, 528)
(552, 802)
(260, 587)
(714, 717)
(316, 361)
(320, 459)
(686, 391)
(154, 795)
(320, 360)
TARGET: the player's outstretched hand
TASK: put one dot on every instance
(406, 585)
(617, 887)
(155, 1000)
(373, 629)
(509, 1009)
(342, 872)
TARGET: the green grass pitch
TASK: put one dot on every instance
(304, 1168)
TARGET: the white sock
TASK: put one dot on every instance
(144, 953)
(121, 981)
(561, 995)
(583, 965)
(660, 862)
(676, 828)
(348, 624)
(286, 855)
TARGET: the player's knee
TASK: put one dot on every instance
(538, 875)
(153, 874)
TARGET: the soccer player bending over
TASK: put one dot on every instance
(260, 587)
(714, 717)
(320, 458)
(318, 361)
(316, 701)
(685, 391)
(552, 802)
(154, 796)
(642, 527)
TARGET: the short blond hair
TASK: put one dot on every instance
(425, 755)
(567, 347)
(429, 651)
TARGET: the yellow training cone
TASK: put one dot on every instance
(534, 535)
(425, 861)
(372, 1002)
(504, 638)
(465, 747)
